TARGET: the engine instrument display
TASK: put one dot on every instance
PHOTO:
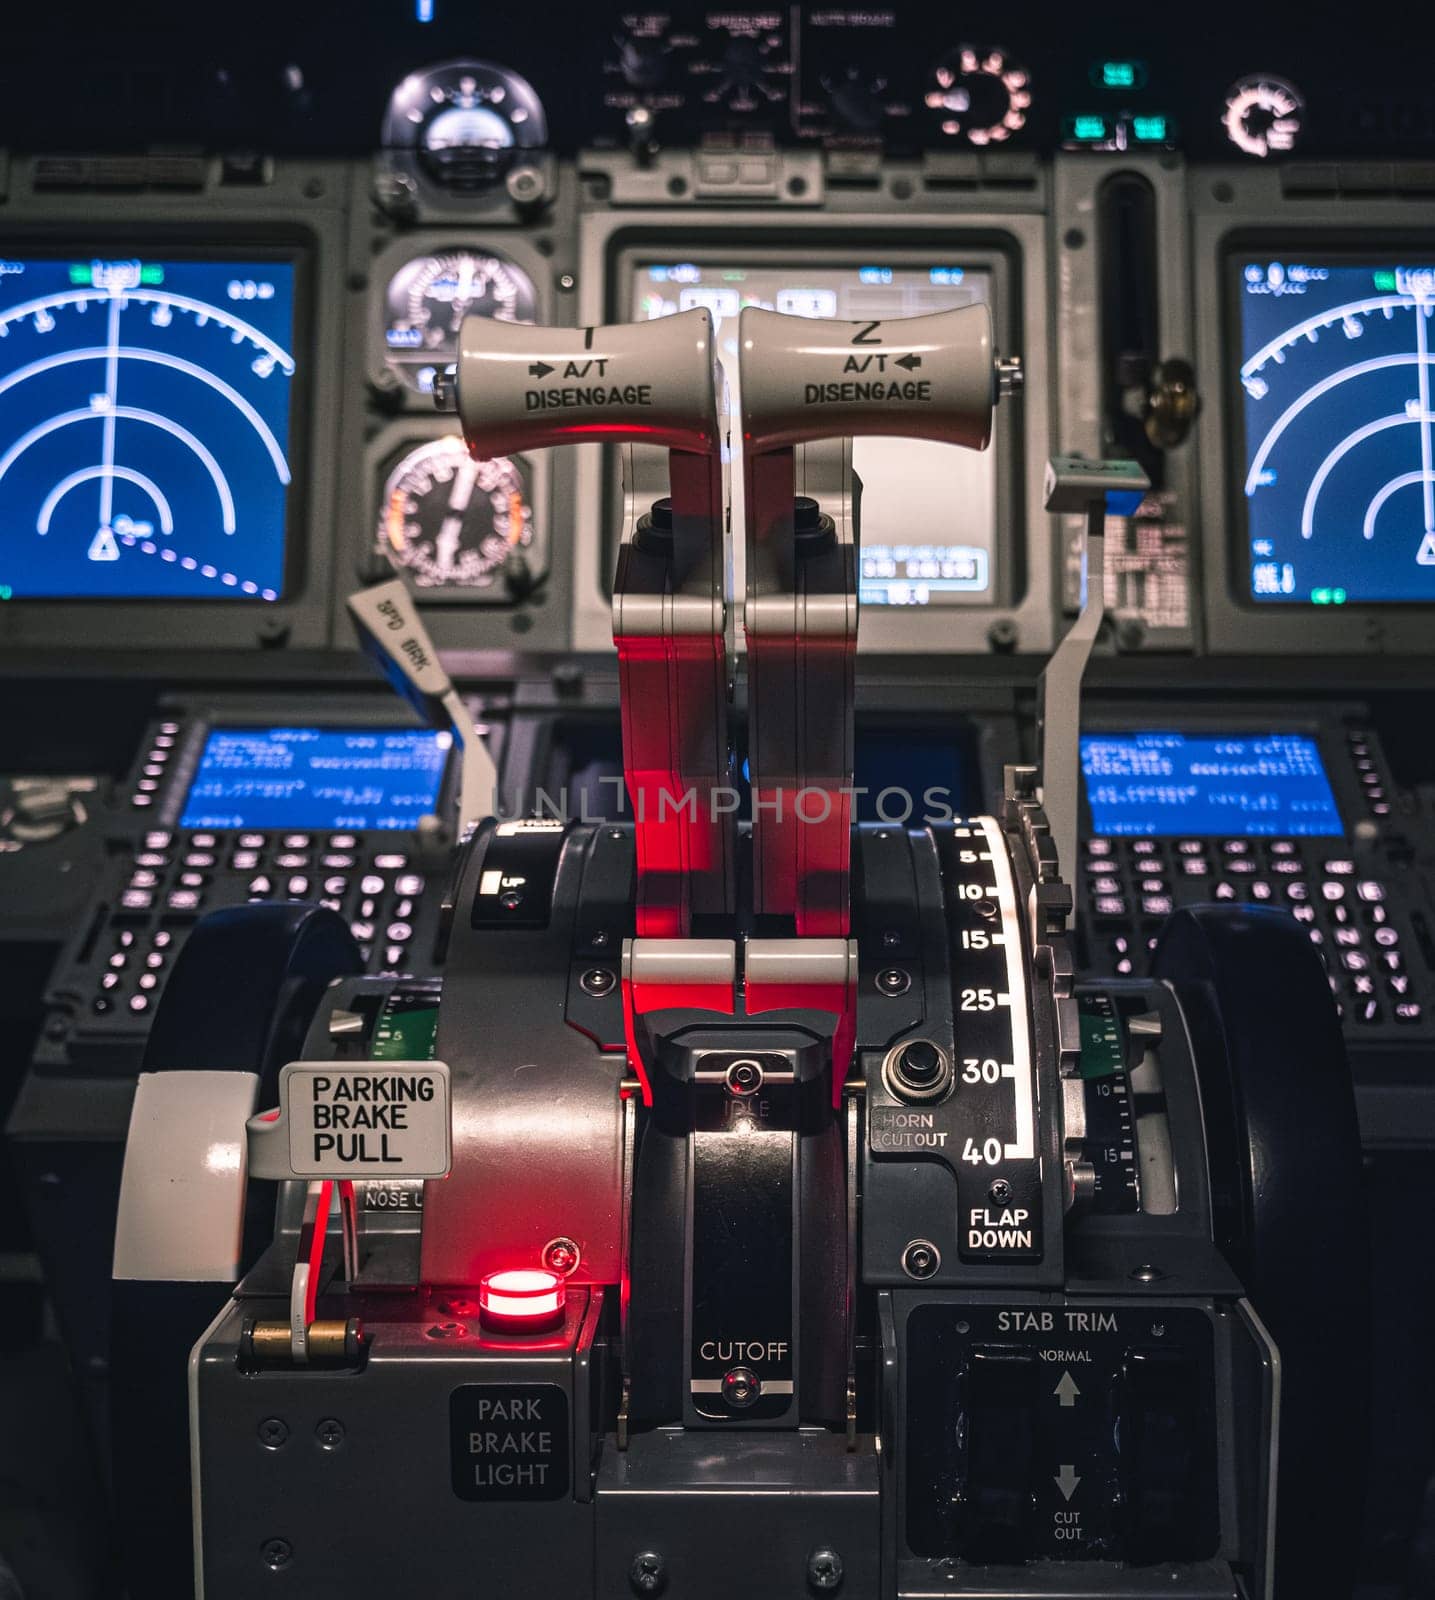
(349, 778)
(448, 521)
(1239, 785)
(1339, 432)
(1262, 115)
(144, 427)
(928, 511)
(428, 298)
(980, 94)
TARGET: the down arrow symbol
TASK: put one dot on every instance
(1066, 1480)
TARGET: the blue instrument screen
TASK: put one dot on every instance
(144, 428)
(1338, 374)
(1237, 785)
(342, 778)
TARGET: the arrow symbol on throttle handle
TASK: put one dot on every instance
(1066, 1391)
(539, 369)
(1066, 1480)
(911, 363)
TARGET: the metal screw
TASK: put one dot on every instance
(824, 1571)
(893, 981)
(921, 1259)
(1002, 635)
(273, 1432)
(567, 281)
(1000, 1191)
(330, 1433)
(597, 981)
(891, 938)
(986, 909)
(277, 1553)
(648, 1573)
(459, 1306)
(561, 1255)
(447, 1330)
(524, 185)
(1146, 1273)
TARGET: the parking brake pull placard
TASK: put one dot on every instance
(524, 388)
(344, 1120)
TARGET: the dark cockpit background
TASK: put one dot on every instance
(1207, 233)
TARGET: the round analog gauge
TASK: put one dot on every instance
(980, 95)
(467, 120)
(1263, 115)
(428, 298)
(450, 522)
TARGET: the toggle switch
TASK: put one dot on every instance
(1165, 1458)
(999, 1395)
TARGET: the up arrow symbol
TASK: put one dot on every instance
(1066, 1391)
(1066, 1480)
(911, 363)
(539, 369)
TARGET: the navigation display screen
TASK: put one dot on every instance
(928, 510)
(144, 427)
(1338, 456)
(343, 778)
(1196, 785)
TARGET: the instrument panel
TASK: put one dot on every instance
(172, 419)
(233, 277)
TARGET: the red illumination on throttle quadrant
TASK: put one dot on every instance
(521, 1299)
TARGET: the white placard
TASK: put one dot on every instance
(375, 1119)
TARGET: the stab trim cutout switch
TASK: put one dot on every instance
(1161, 1437)
(998, 1421)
